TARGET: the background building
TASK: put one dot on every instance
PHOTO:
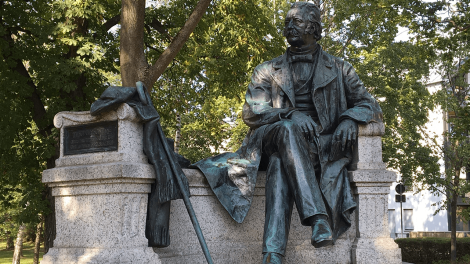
(419, 210)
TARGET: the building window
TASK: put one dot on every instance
(408, 219)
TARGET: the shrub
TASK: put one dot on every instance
(431, 249)
(463, 260)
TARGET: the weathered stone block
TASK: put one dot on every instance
(230, 242)
(101, 198)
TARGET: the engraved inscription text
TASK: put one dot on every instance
(96, 137)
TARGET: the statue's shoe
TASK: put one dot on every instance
(272, 258)
(321, 233)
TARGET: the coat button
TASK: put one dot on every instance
(281, 93)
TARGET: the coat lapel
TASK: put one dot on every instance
(283, 77)
(324, 72)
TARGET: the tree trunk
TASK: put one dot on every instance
(37, 242)
(9, 242)
(178, 133)
(453, 220)
(49, 221)
(453, 227)
(18, 245)
(134, 66)
(132, 57)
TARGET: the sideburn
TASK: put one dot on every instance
(311, 29)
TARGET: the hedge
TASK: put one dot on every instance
(430, 249)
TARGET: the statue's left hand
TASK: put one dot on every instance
(345, 134)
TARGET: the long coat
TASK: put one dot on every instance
(156, 149)
(337, 94)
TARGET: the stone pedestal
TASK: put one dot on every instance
(230, 242)
(371, 184)
(101, 197)
(101, 201)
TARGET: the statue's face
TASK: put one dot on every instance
(294, 30)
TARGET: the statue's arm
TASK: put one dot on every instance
(362, 107)
(258, 108)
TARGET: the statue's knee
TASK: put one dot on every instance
(287, 127)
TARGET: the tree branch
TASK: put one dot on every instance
(462, 29)
(17, 28)
(153, 48)
(39, 111)
(169, 54)
(155, 24)
(348, 41)
(458, 27)
(424, 132)
(111, 22)
(160, 28)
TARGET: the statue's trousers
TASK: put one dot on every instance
(291, 178)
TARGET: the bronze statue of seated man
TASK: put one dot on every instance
(303, 109)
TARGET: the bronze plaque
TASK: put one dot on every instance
(89, 138)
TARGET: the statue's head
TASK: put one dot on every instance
(303, 24)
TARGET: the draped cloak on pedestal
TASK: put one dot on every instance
(165, 187)
(337, 94)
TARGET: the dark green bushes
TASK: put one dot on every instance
(430, 249)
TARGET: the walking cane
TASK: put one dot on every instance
(187, 202)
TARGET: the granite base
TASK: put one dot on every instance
(101, 256)
(230, 242)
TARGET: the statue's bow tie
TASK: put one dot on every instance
(302, 58)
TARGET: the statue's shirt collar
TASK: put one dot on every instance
(324, 72)
(303, 54)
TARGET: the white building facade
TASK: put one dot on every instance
(419, 210)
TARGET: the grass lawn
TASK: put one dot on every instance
(6, 256)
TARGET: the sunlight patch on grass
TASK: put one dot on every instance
(6, 256)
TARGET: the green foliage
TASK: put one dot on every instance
(59, 56)
(431, 249)
(207, 81)
(462, 260)
(395, 72)
(395, 76)
(8, 218)
(452, 51)
(54, 56)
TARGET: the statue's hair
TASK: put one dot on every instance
(313, 16)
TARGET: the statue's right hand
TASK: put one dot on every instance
(306, 125)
